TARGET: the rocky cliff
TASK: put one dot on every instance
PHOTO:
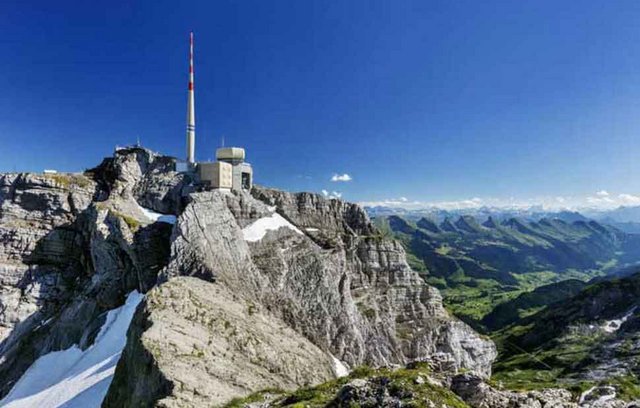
(272, 289)
(70, 250)
(317, 267)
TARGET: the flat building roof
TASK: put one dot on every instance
(230, 153)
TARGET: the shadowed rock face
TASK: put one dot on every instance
(38, 242)
(145, 176)
(64, 261)
(194, 343)
(36, 211)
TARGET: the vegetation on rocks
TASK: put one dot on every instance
(587, 340)
(68, 180)
(412, 386)
(480, 266)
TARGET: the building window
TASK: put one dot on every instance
(246, 181)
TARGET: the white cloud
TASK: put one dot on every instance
(333, 194)
(405, 203)
(629, 199)
(341, 177)
(600, 200)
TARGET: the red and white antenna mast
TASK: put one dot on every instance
(191, 114)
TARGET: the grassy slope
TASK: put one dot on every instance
(542, 351)
(529, 303)
(552, 357)
(402, 382)
(477, 268)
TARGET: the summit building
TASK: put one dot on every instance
(229, 171)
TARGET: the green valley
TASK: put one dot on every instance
(480, 266)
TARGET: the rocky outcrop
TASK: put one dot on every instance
(33, 207)
(478, 394)
(90, 265)
(325, 220)
(325, 273)
(65, 260)
(147, 177)
(359, 300)
(415, 385)
(195, 343)
(37, 249)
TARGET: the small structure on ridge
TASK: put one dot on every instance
(230, 171)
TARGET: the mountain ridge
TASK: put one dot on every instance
(326, 273)
(484, 264)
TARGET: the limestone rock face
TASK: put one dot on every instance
(37, 239)
(64, 261)
(202, 345)
(384, 312)
(474, 391)
(35, 210)
(358, 300)
(326, 220)
(478, 394)
(147, 177)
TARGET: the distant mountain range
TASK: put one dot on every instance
(479, 265)
(533, 213)
(501, 249)
(626, 219)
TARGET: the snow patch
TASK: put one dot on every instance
(157, 217)
(311, 229)
(74, 378)
(612, 326)
(601, 395)
(258, 229)
(339, 368)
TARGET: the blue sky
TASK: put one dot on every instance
(428, 100)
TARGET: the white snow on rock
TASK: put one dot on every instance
(312, 229)
(611, 326)
(258, 229)
(157, 217)
(339, 368)
(597, 396)
(74, 378)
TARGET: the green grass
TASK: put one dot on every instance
(473, 299)
(627, 387)
(256, 397)
(443, 249)
(554, 366)
(416, 263)
(401, 382)
(69, 180)
(131, 222)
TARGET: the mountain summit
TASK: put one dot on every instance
(241, 291)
